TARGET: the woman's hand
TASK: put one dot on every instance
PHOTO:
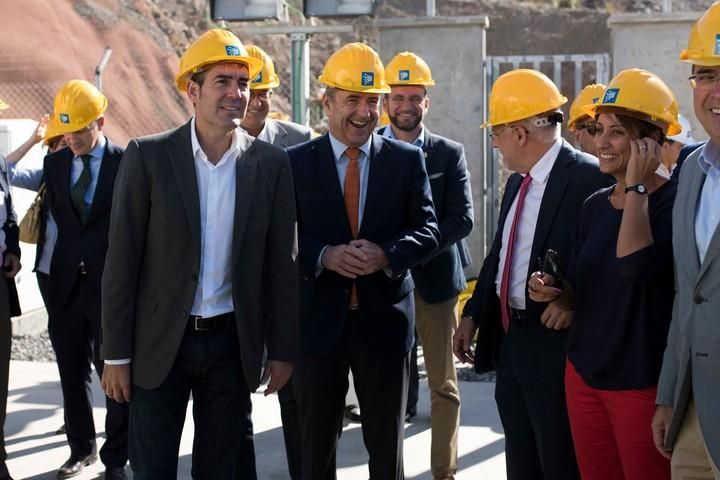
(643, 162)
(541, 288)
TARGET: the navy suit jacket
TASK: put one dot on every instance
(572, 179)
(684, 153)
(76, 242)
(441, 276)
(398, 215)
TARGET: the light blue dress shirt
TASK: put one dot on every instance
(77, 167)
(708, 211)
(419, 141)
(341, 164)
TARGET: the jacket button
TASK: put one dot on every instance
(698, 299)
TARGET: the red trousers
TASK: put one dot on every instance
(611, 431)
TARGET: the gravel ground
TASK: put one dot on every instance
(34, 348)
(37, 348)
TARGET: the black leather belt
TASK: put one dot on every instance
(210, 323)
(518, 314)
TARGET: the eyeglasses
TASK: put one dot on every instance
(704, 80)
(495, 134)
(589, 125)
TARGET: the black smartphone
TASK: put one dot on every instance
(552, 265)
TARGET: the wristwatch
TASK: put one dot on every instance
(639, 188)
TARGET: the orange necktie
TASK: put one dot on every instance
(352, 201)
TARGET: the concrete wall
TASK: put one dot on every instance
(654, 42)
(454, 48)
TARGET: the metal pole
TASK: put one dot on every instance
(101, 66)
(667, 6)
(300, 61)
(430, 8)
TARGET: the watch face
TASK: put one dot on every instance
(641, 188)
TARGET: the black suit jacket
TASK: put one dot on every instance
(684, 153)
(398, 215)
(153, 262)
(572, 179)
(441, 276)
(78, 243)
(12, 236)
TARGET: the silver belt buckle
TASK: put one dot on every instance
(198, 327)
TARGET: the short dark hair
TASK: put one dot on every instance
(199, 77)
(638, 128)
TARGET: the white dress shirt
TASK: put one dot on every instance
(525, 230)
(216, 188)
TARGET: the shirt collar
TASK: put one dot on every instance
(418, 142)
(541, 170)
(98, 150)
(709, 158)
(339, 148)
(234, 143)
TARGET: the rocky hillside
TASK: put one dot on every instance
(46, 42)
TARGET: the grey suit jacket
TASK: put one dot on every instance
(153, 260)
(693, 348)
(286, 134)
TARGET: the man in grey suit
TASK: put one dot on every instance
(281, 134)
(686, 426)
(200, 276)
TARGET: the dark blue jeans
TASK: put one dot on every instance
(208, 364)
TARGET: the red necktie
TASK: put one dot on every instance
(505, 279)
(351, 192)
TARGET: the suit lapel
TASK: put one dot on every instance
(276, 133)
(327, 172)
(66, 176)
(550, 204)
(375, 181)
(183, 163)
(106, 178)
(427, 149)
(245, 173)
(689, 204)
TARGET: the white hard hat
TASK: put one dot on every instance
(683, 137)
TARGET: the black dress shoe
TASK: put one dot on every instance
(75, 465)
(61, 431)
(115, 473)
(352, 413)
(410, 413)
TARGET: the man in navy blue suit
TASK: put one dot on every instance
(365, 217)
(440, 279)
(521, 339)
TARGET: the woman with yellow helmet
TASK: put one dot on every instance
(620, 285)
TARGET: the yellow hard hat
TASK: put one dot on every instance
(640, 91)
(51, 130)
(704, 44)
(356, 68)
(3, 105)
(520, 94)
(214, 46)
(408, 69)
(77, 104)
(588, 95)
(267, 78)
(384, 119)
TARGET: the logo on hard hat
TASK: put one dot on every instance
(232, 50)
(367, 79)
(258, 79)
(64, 118)
(611, 95)
(717, 44)
(404, 75)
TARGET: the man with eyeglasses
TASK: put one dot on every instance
(523, 340)
(282, 134)
(686, 426)
(80, 182)
(580, 123)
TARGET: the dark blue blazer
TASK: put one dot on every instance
(398, 215)
(684, 153)
(572, 179)
(441, 276)
(78, 243)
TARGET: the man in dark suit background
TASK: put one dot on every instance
(282, 134)
(439, 279)
(523, 340)
(365, 217)
(9, 304)
(79, 181)
(201, 275)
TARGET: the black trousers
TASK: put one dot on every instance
(530, 396)
(381, 382)
(5, 346)
(290, 415)
(75, 335)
